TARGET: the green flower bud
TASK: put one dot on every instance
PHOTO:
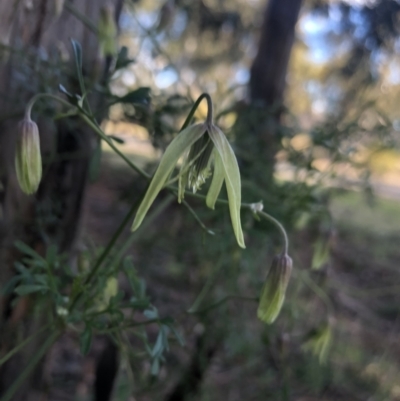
(28, 161)
(273, 292)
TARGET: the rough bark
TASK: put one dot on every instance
(35, 56)
(259, 121)
(269, 69)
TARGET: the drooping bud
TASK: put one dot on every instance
(273, 292)
(28, 160)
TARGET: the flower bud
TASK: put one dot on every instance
(273, 292)
(28, 161)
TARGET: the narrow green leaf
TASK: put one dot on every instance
(151, 314)
(8, 288)
(85, 340)
(232, 179)
(158, 348)
(123, 59)
(216, 183)
(51, 254)
(69, 95)
(27, 250)
(78, 64)
(77, 53)
(174, 151)
(22, 290)
(138, 96)
(178, 335)
(95, 163)
(155, 367)
(22, 269)
(41, 279)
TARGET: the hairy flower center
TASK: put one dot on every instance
(199, 162)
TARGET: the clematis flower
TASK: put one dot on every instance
(201, 145)
(274, 290)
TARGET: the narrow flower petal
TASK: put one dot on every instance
(173, 152)
(216, 183)
(182, 182)
(232, 179)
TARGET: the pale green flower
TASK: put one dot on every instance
(28, 160)
(201, 145)
(274, 290)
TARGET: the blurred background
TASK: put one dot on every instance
(307, 92)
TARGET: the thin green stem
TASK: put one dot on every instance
(31, 365)
(106, 251)
(280, 227)
(132, 237)
(194, 108)
(224, 300)
(129, 326)
(317, 290)
(206, 288)
(210, 111)
(110, 143)
(35, 98)
(197, 218)
(22, 345)
(81, 17)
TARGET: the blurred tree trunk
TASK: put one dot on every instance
(258, 124)
(36, 56)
